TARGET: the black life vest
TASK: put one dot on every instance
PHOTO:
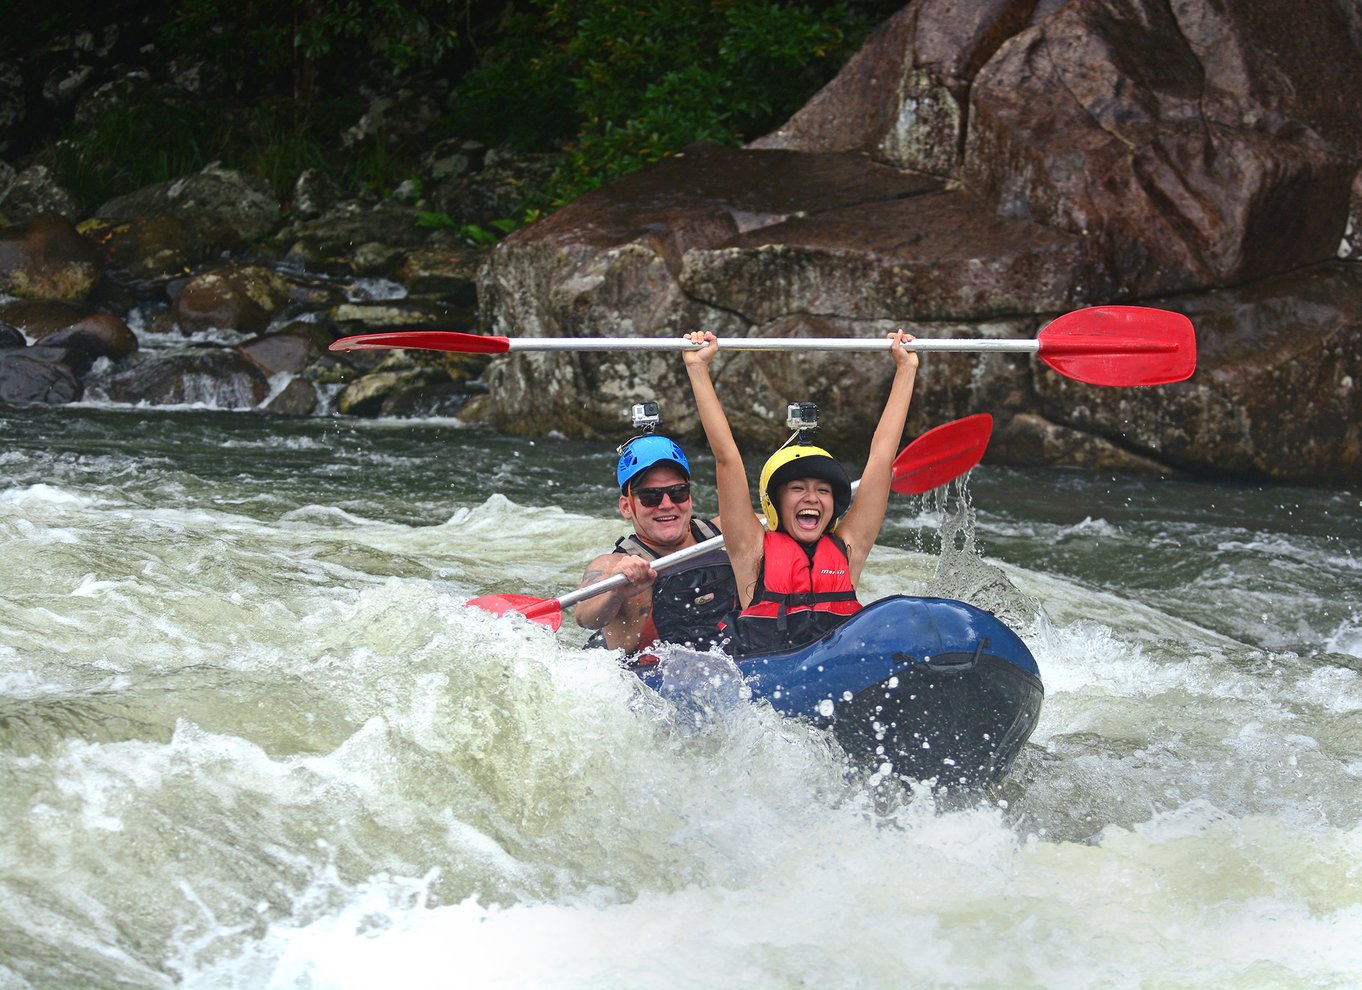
(799, 596)
(691, 604)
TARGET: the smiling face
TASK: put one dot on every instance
(804, 506)
(667, 525)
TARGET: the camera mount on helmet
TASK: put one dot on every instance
(802, 417)
(644, 416)
(646, 449)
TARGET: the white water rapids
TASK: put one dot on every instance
(250, 735)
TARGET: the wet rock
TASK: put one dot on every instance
(1275, 396)
(157, 247)
(340, 232)
(374, 317)
(400, 372)
(365, 396)
(500, 189)
(1350, 247)
(39, 317)
(433, 399)
(242, 298)
(903, 98)
(314, 194)
(225, 209)
(1030, 440)
(297, 398)
(907, 259)
(33, 191)
(46, 258)
(28, 376)
(217, 377)
(449, 272)
(1223, 154)
(11, 337)
(289, 350)
(1009, 161)
(92, 337)
(743, 243)
(376, 259)
(452, 159)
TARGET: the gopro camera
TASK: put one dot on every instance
(802, 416)
(644, 416)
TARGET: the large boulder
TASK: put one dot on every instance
(46, 258)
(147, 248)
(218, 377)
(1276, 393)
(36, 376)
(743, 242)
(244, 298)
(222, 209)
(1196, 143)
(978, 172)
(98, 335)
(903, 98)
(33, 191)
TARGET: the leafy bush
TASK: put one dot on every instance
(614, 84)
(141, 139)
(621, 85)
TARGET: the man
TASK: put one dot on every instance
(687, 604)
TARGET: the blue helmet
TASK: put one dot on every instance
(642, 453)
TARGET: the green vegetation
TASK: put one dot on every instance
(138, 139)
(613, 85)
(621, 85)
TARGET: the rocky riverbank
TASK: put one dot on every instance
(206, 290)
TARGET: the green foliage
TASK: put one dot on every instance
(622, 85)
(131, 144)
(140, 139)
(616, 85)
(309, 43)
(476, 234)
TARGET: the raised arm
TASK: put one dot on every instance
(861, 525)
(742, 533)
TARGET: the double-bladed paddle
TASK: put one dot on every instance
(1100, 345)
(939, 455)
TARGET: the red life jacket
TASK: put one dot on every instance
(798, 598)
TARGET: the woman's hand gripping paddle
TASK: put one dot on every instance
(933, 459)
(1101, 345)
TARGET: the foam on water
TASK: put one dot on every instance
(250, 737)
(953, 900)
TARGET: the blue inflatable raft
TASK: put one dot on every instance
(941, 690)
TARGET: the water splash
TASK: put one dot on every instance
(961, 571)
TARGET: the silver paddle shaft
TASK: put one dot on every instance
(768, 344)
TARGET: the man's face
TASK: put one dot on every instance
(665, 524)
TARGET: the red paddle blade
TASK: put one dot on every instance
(1121, 345)
(424, 340)
(545, 611)
(941, 454)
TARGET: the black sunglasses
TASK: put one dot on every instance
(652, 497)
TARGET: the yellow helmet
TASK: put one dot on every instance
(802, 461)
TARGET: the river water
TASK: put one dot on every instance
(250, 735)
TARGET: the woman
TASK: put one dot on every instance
(797, 578)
